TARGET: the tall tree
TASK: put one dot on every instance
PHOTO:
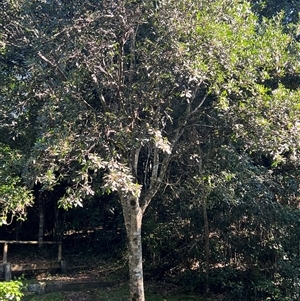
(110, 87)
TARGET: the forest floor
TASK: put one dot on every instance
(90, 279)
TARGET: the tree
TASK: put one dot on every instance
(111, 89)
(15, 197)
(272, 8)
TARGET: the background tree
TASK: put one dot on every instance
(270, 9)
(15, 197)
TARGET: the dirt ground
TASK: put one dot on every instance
(81, 270)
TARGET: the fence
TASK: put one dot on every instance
(8, 268)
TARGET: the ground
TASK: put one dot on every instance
(90, 278)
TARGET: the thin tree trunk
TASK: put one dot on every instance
(41, 221)
(206, 245)
(17, 229)
(205, 192)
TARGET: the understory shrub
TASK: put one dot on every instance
(11, 291)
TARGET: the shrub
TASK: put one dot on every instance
(11, 291)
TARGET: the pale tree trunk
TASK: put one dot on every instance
(133, 216)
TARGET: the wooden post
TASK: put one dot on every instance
(64, 267)
(59, 257)
(7, 271)
(5, 250)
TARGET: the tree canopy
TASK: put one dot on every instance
(191, 100)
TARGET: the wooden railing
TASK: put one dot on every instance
(29, 242)
(7, 268)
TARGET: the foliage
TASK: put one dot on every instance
(269, 8)
(11, 291)
(14, 195)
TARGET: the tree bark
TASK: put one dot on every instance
(41, 221)
(204, 191)
(17, 229)
(206, 245)
(133, 216)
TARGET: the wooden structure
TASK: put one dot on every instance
(7, 267)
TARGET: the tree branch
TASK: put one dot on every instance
(53, 66)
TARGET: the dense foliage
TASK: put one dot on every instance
(11, 291)
(192, 106)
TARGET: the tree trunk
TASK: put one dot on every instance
(133, 216)
(41, 221)
(17, 229)
(204, 189)
(206, 244)
(136, 258)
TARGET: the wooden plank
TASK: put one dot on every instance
(34, 267)
(32, 242)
